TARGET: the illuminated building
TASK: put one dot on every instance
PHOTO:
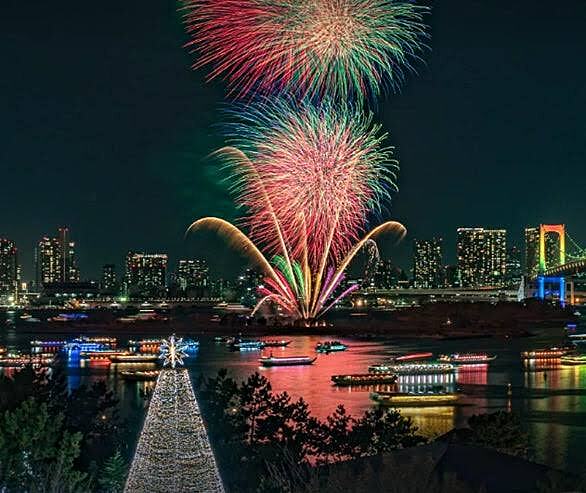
(482, 257)
(452, 277)
(55, 259)
(427, 263)
(192, 278)
(514, 271)
(146, 274)
(247, 287)
(109, 284)
(533, 256)
(387, 276)
(9, 277)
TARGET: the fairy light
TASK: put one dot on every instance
(174, 453)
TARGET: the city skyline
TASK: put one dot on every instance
(102, 147)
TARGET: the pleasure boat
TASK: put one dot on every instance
(134, 358)
(364, 379)
(421, 368)
(431, 398)
(140, 375)
(330, 347)
(548, 353)
(573, 359)
(467, 358)
(275, 343)
(286, 360)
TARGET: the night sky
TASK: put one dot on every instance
(105, 128)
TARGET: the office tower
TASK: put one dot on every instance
(427, 263)
(9, 272)
(55, 259)
(146, 274)
(532, 253)
(109, 284)
(452, 277)
(247, 287)
(387, 276)
(192, 278)
(48, 261)
(69, 270)
(514, 271)
(482, 257)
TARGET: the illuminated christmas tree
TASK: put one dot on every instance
(173, 452)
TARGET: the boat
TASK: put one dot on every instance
(276, 343)
(412, 356)
(84, 343)
(364, 379)
(573, 359)
(134, 358)
(68, 317)
(241, 345)
(101, 354)
(17, 359)
(140, 375)
(47, 344)
(571, 326)
(330, 347)
(430, 398)
(191, 344)
(422, 368)
(577, 338)
(467, 358)
(146, 345)
(286, 360)
(548, 353)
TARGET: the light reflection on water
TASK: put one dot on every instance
(556, 423)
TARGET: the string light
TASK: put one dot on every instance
(174, 452)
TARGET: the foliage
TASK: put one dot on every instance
(500, 431)
(113, 474)
(37, 452)
(87, 412)
(256, 430)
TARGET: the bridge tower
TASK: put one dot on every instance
(542, 279)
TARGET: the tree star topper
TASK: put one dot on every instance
(173, 351)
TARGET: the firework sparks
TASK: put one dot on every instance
(308, 176)
(343, 48)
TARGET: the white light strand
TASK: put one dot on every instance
(173, 453)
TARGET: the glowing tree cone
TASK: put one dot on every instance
(173, 452)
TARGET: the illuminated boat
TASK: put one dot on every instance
(578, 338)
(276, 343)
(68, 317)
(84, 343)
(549, 353)
(286, 360)
(573, 359)
(244, 345)
(430, 398)
(140, 375)
(412, 356)
(191, 344)
(330, 346)
(101, 354)
(422, 368)
(18, 359)
(47, 344)
(364, 379)
(467, 358)
(133, 358)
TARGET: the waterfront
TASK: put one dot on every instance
(550, 399)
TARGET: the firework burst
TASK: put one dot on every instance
(308, 176)
(343, 48)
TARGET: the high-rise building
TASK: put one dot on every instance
(69, 270)
(146, 274)
(514, 271)
(9, 273)
(192, 278)
(552, 250)
(452, 277)
(482, 257)
(387, 275)
(247, 286)
(109, 284)
(55, 259)
(427, 263)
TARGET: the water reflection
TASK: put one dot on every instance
(555, 417)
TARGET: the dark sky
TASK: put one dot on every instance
(105, 128)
